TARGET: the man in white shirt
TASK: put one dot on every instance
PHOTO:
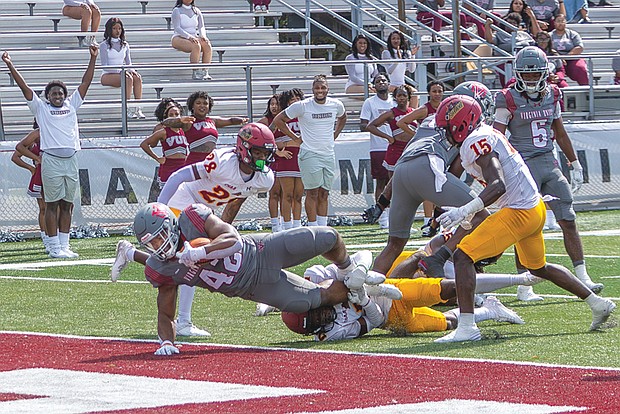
(371, 109)
(60, 141)
(317, 161)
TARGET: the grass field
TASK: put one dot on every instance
(53, 297)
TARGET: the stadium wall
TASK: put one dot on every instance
(116, 177)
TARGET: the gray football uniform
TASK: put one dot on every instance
(255, 272)
(531, 134)
(421, 175)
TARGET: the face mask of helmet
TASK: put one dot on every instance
(155, 227)
(256, 137)
(531, 70)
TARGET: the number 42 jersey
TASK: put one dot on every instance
(521, 191)
(220, 181)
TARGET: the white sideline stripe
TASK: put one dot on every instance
(51, 279)
(459, 407)
(40, 265)
(324, 351)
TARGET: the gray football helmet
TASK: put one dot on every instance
(157, 221)
(480, 93)
(531, 60)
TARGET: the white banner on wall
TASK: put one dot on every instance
(117, 177)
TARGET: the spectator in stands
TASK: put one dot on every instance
(288, 167)
(190, 36)
(577, 11)
(201, 133)
(321, 119)
(90, 15)
(615, 65)
(504, 40)
(546, 11)
(360, 51)
(261, 5)
(568, 43)
(372, 108)
(429, 19)
(114, 51)
(275, 193)
(60, 142)
(398, 48)
(173, 142)
(557, 72)
(29, 147)
(528, 18)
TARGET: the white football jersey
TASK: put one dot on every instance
(346, 325)
(220, 181)
(521, 190)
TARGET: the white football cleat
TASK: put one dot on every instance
(58, 253)
(262, 309)
(384, 289)
(526, 294)
(500, 312)
(600, 312)
(461, 335)
(70, 253)
(121, 260)
(189, 329)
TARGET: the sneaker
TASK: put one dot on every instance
(585, 20)
(198, 74)
(121, 260)
(500, 312)
(385, 290)
(262, 309)
(131, 113)
(479, 300)
(432, 266)
(601, 312)
(140, 114)
(206, 75)
(264, 9)
(58, 253)
(257, 9)
(461, 335)
(189, 329)
(526, 294)
(69, 252)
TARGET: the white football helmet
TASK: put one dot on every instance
(157, 221)
(531, 60)
(480, 93)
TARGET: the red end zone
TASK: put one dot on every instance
(97, 375)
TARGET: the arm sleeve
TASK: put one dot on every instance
(176, 24)
(179, 177)
(365, 113)
(502, 116)
(341, 110)
(390, 67)
(575, 38)
(103, 53)
(350, 68)
(294, 111)
(200, 29)
(127, 55)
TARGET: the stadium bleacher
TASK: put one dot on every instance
(48, 40)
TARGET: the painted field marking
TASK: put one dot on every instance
(72, 392)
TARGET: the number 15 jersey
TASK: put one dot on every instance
(220, 181)
(521, 191)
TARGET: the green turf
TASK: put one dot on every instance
(556, 329)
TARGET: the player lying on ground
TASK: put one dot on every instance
(248, 266)
(379, 307)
